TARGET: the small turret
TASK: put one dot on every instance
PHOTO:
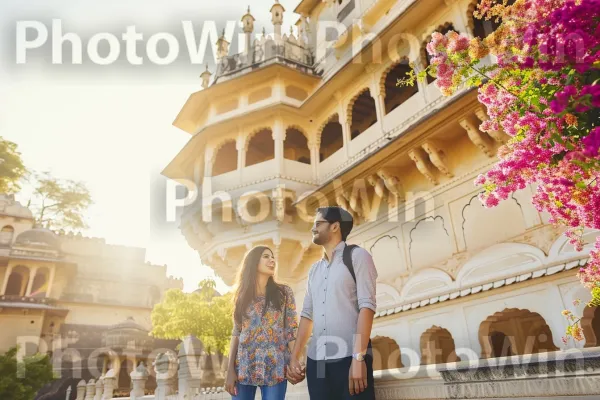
(222, 47)
(205, 77)
(277, 18)
(248, 22)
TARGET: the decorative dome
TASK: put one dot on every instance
(40, 238)
(128, 335)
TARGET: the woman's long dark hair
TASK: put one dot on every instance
(246, 286)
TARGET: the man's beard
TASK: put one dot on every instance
(318, 240)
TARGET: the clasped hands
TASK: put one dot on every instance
(295, 371)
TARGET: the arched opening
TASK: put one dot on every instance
(226, 159)
(40, 283)
(437, 347)
(364, 114)
(426, 57)
(17, 281)
(124, 384)
(386, 354)
(6, 235)
(332, 138)
(515, 332)
(590, 323)
(396, 95)
(501, 345)
(261, 148)
(295, 146)
(482, 27)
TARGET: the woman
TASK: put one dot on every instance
(264, 330)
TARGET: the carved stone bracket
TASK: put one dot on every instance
(391, 179)
(437, 157)
(477, 137)
(341, 201)
(378, 184)
(419, 157)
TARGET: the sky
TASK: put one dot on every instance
(110, 126)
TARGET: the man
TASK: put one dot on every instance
(339, 313)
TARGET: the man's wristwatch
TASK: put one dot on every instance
(359, 356)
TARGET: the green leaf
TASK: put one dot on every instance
(37, 373)
(59, 204)
(203, 314)
(11, 167)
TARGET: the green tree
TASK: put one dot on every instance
(11, 167)
(22, 382)
(202, 314)
(59, 203)
(207, 289)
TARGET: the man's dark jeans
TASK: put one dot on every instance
(328, 380)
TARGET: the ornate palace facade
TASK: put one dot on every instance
(85, 302)
(316, 118)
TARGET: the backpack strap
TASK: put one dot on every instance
(347, 257)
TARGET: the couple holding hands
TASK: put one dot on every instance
(268, 342)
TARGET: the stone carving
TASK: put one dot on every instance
(453, 264)
(571, 373)
(542, 238)
(477, 137)
(391, 178)
(341, 199)
(420, 161)
(378, 185)
(437, 157)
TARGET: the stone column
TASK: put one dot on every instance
(90, 390)
(139, 376)
(110, 381)
(69, 390)
(5, 283)
(459, 18)
(279, 138)
(99, 388)
(166, 373)
(209, 155)
(32, 275)
(190, 370)
(51, 280)
(81, 390)
(314, 159)
(346, 131)
(379, 105)
(378, 96)
(198, 172)
(104, 365)
(241, 147)
(277, 247)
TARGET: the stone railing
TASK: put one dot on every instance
(27, 299)
(574, 372)
(288, 50)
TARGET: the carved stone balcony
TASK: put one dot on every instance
(266, 51)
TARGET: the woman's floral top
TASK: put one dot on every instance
(263, 352)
